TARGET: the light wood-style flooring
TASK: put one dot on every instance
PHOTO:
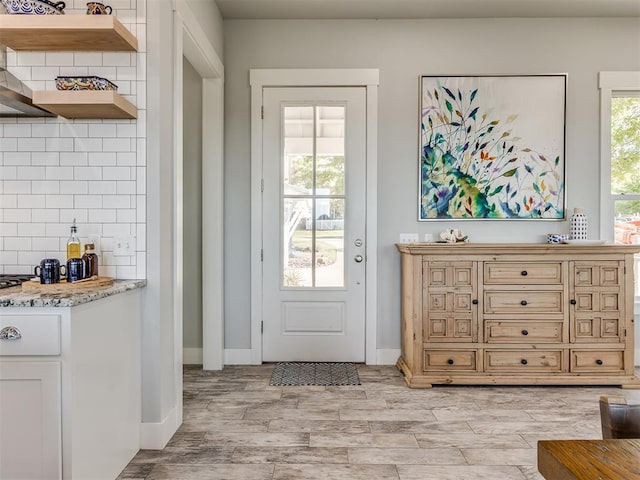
(237, 427)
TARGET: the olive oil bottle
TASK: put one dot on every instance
(73, 244)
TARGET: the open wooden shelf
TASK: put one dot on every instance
(66, 33)
(85, 104)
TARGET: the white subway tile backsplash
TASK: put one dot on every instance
(59, 201)
(17, 130)
(45, 158)
(45, 186)
(102, 130)
(46, 130)
(102, 159)
(80, 214)
(103, 188)
(74, 159)
(90, 59)
(59, 144)
(103, 216)
(17, 215)
(53, 170)
(75, 187)
(31, 201)
(116, 173)
(31, 144)
(116, 201)
(44, 73)
(9, 229)
(8, 144)
(59, 58)
(60, 173)
(8, 201)
(17, 186)
(17, 243)
(31, 229)
(16, 158)
(117, 145)
(8, 173)
(74, 130)
(88, 201)
(45, 215)
(46, 244)
(31, 173)
(87, 144)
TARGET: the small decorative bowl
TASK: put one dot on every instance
(557, 237)
(33, 7)
(84, 83)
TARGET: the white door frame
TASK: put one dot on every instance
(191, 42)
(261, 78)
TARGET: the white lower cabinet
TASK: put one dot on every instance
(70, 389)
(30, 421)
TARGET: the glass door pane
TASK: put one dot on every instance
(313, 196)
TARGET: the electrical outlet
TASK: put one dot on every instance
(409, 238)
(124, 246)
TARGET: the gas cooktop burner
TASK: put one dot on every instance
(8, 280)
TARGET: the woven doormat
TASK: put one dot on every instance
(314, 373)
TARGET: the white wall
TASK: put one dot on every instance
(403, 50)
(192, 193)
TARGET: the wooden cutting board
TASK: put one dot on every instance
(34, 286)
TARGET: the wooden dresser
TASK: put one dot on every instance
(508, 314)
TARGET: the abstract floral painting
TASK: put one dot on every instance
(492, 147)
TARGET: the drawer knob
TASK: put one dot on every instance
(450, 361)
(524, 361)
(523, 302)
(524, 273)
(474, 301)
(10, 333)
(525, 332)
(599, 362)
(573, 302)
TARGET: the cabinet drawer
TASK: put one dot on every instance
(39, 335)
(530, 331)
(597, 361)
(450, 360)
(539, 273)
(523, 361)
(522, 303)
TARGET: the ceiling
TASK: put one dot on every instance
(412, 9)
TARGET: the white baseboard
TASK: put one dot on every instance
(237, 356)
(192, 356)
(154, 436)
(388, 356)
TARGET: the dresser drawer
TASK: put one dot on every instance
(32, 335)
(523, 361)
(519, 332)
(450, 360)
(594, 361)
(523, 302)
(539, 273)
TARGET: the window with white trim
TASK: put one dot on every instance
(620, 159)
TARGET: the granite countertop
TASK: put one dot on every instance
(14, 297)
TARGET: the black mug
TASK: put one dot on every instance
(75, 270)
(49, 270)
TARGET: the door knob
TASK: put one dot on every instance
(358, 258)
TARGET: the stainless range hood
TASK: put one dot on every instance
(15, 96)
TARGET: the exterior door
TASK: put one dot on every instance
(314, 214)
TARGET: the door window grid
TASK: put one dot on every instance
(313, 200)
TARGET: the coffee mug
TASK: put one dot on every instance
(49, 270)
(75, 270)
(97, 8)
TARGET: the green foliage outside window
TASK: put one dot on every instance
(625, 152)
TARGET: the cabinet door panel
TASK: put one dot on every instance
(596, 328)
(30, 422)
